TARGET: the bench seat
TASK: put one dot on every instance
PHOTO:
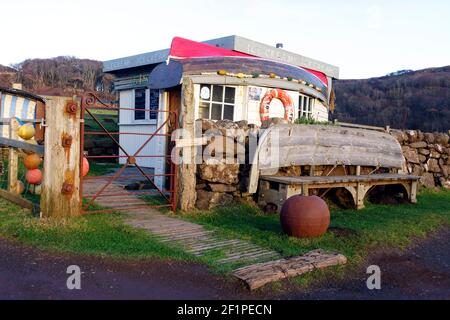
(276, 189)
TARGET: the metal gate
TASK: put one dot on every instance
(111, 192)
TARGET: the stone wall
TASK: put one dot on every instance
(218, 183)
(221, 182)
(427, 155)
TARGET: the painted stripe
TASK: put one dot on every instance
(31, 112)
(19, 107)
(6, 113)
(12, 112)
(25, 107)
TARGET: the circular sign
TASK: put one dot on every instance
(205, 93)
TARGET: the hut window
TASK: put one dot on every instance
(144, 102)
(217, 102)
(306, 105)
(139, 104)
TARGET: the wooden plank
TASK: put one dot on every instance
(17, 199)
(258, 275)
(22, 145)
(61, 165)
(187, 171)
(13, 157)
(338, 179)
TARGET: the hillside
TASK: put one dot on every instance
(57, 76)
(404, 100)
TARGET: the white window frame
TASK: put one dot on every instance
(305, 110)
(147, 119)
(211, 101)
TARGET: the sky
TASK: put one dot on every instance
(363, 38)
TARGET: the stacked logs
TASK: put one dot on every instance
(222, 176)
(427, 155)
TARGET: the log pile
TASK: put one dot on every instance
(427, 155)
(222, 177)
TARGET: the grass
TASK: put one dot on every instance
(101, 234)
(100, 169)
(374, 227)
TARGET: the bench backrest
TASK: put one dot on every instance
(314, 145)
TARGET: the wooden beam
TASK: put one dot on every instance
(61, 186)
(187, 171)
(22, 145)
(17, 199)
(13, 158)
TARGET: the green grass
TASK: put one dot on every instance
(374, 227)
(311, 121)
(100, 169)
(101, 234)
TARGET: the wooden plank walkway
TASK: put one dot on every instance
(260, 265)
(194, 238)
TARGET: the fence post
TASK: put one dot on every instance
(13, 158)
(60, 190)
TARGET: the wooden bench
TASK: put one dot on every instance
(295, 159)
(276, 190)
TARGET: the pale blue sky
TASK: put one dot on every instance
(363, 38)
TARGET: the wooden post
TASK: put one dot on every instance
(61, 186)
(187, 195)
(13, 159)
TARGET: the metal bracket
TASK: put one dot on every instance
(67, 188)
(66, 141)
(71, 107)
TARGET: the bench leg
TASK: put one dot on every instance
(361, 191)
(413, 193)
(305, 190)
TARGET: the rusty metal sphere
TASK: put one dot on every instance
(305, 217)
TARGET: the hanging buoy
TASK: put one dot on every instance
(34, 176)
(27, 131)
(85, 167)
(32, 161)
(36, 189)
(20, 187)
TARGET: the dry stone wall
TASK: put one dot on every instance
(427, 155)
(220, 183)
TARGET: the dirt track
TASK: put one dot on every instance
(422, 272)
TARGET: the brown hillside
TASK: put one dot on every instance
(411, 100)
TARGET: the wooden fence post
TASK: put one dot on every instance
(187, 194)
(13, 158)
(61, 186)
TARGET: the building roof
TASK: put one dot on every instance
(235, 43)
(21, 93)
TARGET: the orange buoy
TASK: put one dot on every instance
(32, 161)
(34, 176)
(305, 217)
(85, 167)
(20, 188)
(284, 98)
